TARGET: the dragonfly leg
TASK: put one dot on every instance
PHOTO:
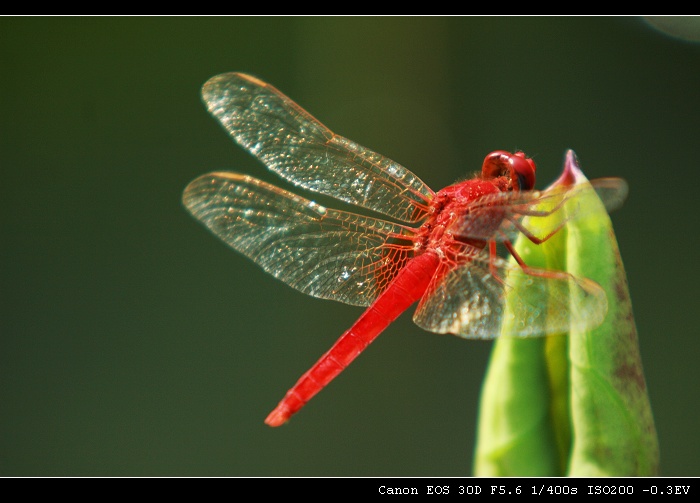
(493, 255)
(531, 236)
(544, 273)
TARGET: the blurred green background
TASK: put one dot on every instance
(133, 342)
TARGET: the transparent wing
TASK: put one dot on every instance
(509, 208)
(292, 143)
(322, 252)
(469, 300)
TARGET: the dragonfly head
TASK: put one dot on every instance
(517, 167)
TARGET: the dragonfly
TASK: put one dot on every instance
(449, 251)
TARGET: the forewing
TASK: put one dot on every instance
(499, 216)
(292, 143)
(469, 300)
(322, 252)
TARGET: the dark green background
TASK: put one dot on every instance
(133, 342)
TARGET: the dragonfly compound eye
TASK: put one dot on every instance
(524, 168)
(519, 168)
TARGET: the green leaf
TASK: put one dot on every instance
(574, 403)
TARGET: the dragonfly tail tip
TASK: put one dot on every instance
(277, 417)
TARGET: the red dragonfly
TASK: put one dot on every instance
(441, 249)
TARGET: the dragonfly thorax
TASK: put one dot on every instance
(450, 205)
